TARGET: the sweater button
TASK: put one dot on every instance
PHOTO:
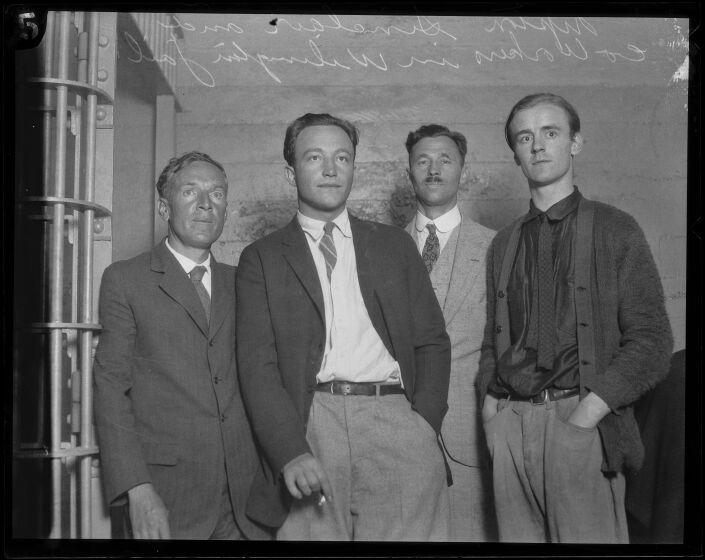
(584, 362)
(500, 294)
(498, 329)
(583, 324)
(581, 288)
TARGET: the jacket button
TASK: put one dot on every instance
(583, 324)
(584, 362)
(581, 288)
(498, 329)
(211, 343)
(215, 380)
(500, 294)
(222, 417)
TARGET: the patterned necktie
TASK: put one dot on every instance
(196, 275)
(432, 248)
(547, 325)
(327, 247)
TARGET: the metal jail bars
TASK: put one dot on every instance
(54, 329)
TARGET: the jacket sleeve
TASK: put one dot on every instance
(643, 355)
(122, 463)
(278, 427)
(488, 361)
(430, 341)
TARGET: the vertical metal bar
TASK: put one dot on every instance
(56, 273)
(87, 279)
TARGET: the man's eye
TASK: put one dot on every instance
(217, 195)
(422, 163)
(552, 134)
(314, 157)
(188, 192)
(344, 158)
(446, 161)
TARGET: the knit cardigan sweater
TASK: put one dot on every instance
(624, 335)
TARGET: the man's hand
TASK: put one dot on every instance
(589, 411)
(148, 515)
(305, 475)
(489, 407)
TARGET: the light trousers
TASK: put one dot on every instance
(547, 478)
(386, 470)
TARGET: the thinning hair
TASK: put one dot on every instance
(177, 163)
(539, 99)
(433, 131)
(315, 119)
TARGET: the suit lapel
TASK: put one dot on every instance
(297, 253)
(177, 285)
(467, 265)
(222, 296)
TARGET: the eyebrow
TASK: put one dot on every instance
(425, 155)
(313, 150)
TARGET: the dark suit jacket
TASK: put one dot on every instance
(167, 403)
(281, 336)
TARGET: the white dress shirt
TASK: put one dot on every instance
(354, 351)
(188, 265)
(445, 224)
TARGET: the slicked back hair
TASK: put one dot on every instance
(177, 163)
(315, 119)
(433, 131)
(539, 99)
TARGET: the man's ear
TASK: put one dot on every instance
(290, 175)
(464, 172)
(516, 159)
(164, 209)
(577, 144)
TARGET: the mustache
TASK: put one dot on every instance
(432, 179)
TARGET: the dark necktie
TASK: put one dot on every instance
(432, 248)
(196, 275)
(546, 326)
(327, 247)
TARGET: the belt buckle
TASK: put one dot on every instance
(544, 398)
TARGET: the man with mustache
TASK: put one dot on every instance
(344, 360)
(576, 332)
(176, 449)
(453, 248)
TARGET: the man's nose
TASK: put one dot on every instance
(204, 200)
(537, 145)
(434, 168)
(329, 168)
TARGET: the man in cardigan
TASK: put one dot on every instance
(344, 359)
(576, 331)
(453, 248)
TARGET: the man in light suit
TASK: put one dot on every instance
(176, 448)
(344, 359)
(453, 248)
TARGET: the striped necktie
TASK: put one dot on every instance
(327, 247)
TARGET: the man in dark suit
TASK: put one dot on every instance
(344, 360)
(176, 448)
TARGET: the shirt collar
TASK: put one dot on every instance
(559, 210)
(187, 264)
(444, 223)
(314, 227)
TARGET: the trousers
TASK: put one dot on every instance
(386, 470)
(547, 477)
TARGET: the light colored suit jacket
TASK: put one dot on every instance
(464, 313)
(167, 404)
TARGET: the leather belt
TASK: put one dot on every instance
(550, 394)
(366, 389)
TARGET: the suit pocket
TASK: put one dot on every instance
(160, 454)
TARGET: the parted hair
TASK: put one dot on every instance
(177, 163)
(538, 99)
(434, 130)
(315, 119)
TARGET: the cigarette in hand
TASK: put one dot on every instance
(321, 499)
